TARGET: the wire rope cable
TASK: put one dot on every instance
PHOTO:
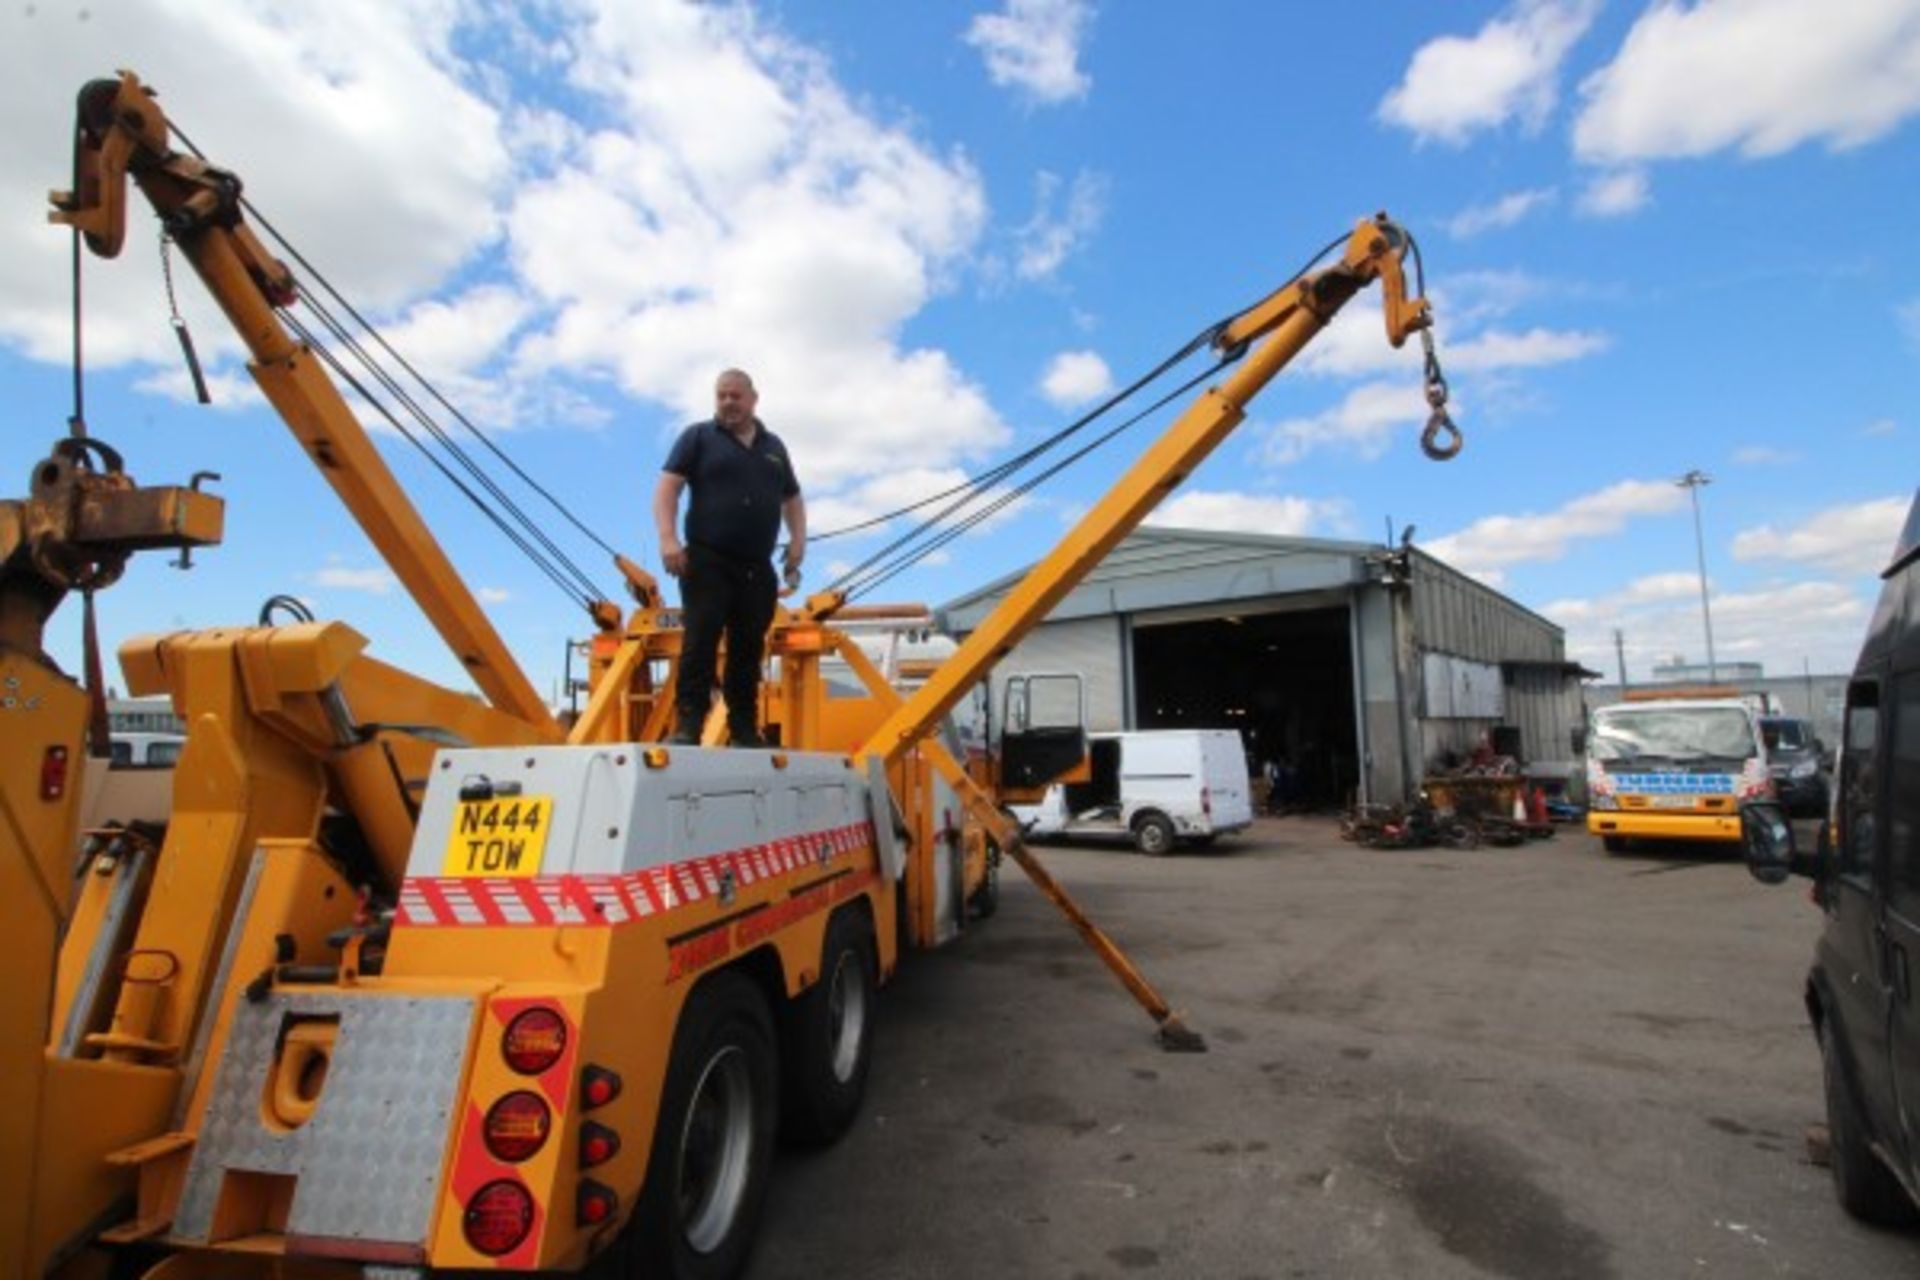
(921, 541)
(552, 560)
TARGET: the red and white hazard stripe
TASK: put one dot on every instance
(505, 901)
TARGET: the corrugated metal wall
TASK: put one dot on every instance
(1457, 616)
(1454, 614)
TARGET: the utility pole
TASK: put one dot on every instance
(1620, 656)
(1693, 482)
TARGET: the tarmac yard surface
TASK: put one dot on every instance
(1532, 1062)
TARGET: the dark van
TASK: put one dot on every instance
(1866, 873)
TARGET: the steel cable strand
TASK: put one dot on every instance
(346, 376)
(327, 286)
(555, 553)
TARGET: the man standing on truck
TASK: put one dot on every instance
(742, 485)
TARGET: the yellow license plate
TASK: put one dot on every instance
(1674, 802)
(505, 836)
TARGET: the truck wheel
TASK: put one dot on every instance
(713, 1142)
(1153, 835)
(831, 1036)
(1614, 844)
(1865, 1187)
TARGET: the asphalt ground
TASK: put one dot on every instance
(1532, 1062)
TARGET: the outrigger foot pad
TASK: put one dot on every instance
(1176, 1037)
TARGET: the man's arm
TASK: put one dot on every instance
(666, 520)
(794, 509)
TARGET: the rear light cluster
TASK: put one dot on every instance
(498, 1217)
(534, 1041)
(517, 1126)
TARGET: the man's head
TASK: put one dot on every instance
(734, 399)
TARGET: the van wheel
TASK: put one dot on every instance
(1865, 1187)
(713, 1145)
(1153, 835)
(1614, 844)
(831, 1036)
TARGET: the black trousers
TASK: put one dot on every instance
(721, 595)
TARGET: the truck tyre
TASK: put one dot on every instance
(1865, 1187)
(713, 1141)
(830, 1037)
(1153, 835)
(1614, 844)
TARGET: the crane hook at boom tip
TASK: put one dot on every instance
(1441, 439)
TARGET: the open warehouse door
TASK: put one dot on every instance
(1283, 678)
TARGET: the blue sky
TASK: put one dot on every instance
(1657, 237)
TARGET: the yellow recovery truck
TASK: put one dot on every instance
(406, 981)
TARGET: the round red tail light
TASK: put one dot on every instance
(534, 1041)
(498, 1217)
(517, 1126)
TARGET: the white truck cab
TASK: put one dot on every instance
(1158, 787)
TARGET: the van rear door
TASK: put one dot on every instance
(1902, 938)
(1228, 785)
(1852, 947)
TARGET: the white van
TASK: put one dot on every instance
(1155, 786)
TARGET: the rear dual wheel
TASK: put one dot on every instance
(713, 1145)
(830, 1039)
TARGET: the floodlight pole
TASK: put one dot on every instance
(1692, 482)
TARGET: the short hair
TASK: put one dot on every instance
(741, 374)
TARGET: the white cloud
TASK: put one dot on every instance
(1654, 627)
(1458, 85)
(372, 581)
(1033, 46)
(1364, 422)
(1498, 349)
(1660, 586)
(736, 207)
(715, 199)
(1856, 538)
(1616, 194)
(1076, 378)
(1493, 542)
(1355, 343)
(493, 595)
(1504, 212)
(276, 94)
(1762, 76)
(1880, 429)
(1047, 239)
(1764, 455)
(1233, 512)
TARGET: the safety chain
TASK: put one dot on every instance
(179, 321)
(1441, 440)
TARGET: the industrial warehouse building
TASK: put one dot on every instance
(1361, 666)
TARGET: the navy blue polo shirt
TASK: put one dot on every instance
(736, 490)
